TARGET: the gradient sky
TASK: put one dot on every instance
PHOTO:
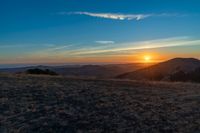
(85, 31)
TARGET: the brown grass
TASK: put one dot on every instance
(58, 104)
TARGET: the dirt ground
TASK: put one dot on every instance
(57, 104)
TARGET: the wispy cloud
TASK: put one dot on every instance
(26, 45)
(51, 52)
(49, 45)
(117, 49)
(119, 16)
(13, 46)
(115, 16)
(134, 46)
(105, 42)
(59, 48)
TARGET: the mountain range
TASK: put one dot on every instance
(96, 71)
(177, 69)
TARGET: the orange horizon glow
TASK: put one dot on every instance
(147, 58)
(140, 57)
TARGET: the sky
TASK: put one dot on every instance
(98, 31)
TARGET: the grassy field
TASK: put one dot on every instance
(58, 104)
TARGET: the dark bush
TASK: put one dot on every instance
(179, 76)
(41, 71)
(193, 76)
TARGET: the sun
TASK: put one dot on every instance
(147, 58)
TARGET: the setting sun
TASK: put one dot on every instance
(147, 58)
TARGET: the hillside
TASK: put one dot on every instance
(164, 70)
(99, 71)
(57, 104)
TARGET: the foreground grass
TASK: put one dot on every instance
(58, 104)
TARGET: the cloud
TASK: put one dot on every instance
(120, 16)
(49, 45)
(115, 16)
(105, 42)
(115, 49)
(12, 46)
(59, 48)
(26, 45)
(51, 51)
(134, 46)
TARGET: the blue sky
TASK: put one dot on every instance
(65, 31)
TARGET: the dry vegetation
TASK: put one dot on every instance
(57, 104)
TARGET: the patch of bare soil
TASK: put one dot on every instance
(57, 104)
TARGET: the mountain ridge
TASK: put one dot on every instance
(99, 71)
(163, 70)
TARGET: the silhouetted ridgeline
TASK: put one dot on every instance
(40, 71)
(98, 71)
(177, 69)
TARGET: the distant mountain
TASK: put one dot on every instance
(23, 69)
(164, 70)
(98, 71)
(101, 71)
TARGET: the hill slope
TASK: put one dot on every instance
(100, 71)
(162, 71)
(38, 104)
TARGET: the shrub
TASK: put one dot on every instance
(179, 76)
(40, 71)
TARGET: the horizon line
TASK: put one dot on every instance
(19, 65)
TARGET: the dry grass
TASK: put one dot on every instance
(58, 104)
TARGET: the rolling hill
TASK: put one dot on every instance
(164, 70)
(96, 71)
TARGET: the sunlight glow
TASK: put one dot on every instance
(147, 58)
